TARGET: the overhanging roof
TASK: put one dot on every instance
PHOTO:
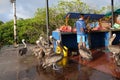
(75, 15)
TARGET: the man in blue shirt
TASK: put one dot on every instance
(81, 32)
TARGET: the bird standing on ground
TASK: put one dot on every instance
(23, 50)
(113, 48)
(40, 45)
(40, 50)
(84, 52)
(43, 42)
(46, 49)
(52, 60)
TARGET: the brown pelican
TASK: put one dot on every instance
(58, 43)
(84, 52)
(52, 39)
(113, 48)
(116, 56)
(43, 50)
(43, 42)
(40, 50)
(23, 50)
(35, 50)
(52, 60)
(46, 50)
(39, 43)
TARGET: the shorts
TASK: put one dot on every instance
(79, 38)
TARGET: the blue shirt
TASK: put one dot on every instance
(80, 24)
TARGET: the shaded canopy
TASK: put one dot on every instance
(76, 15)
(117, 12)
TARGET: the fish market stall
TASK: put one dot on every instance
(97, 37)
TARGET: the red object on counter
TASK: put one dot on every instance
(74, 30)
(65, 28)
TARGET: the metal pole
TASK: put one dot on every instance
(47, 20)
(112, 8)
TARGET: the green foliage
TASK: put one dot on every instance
(73, 6)
(56, 19)
(40, 19)
(1, 22)
(29, 30)
(6, 33)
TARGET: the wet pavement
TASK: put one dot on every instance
(15, 67)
